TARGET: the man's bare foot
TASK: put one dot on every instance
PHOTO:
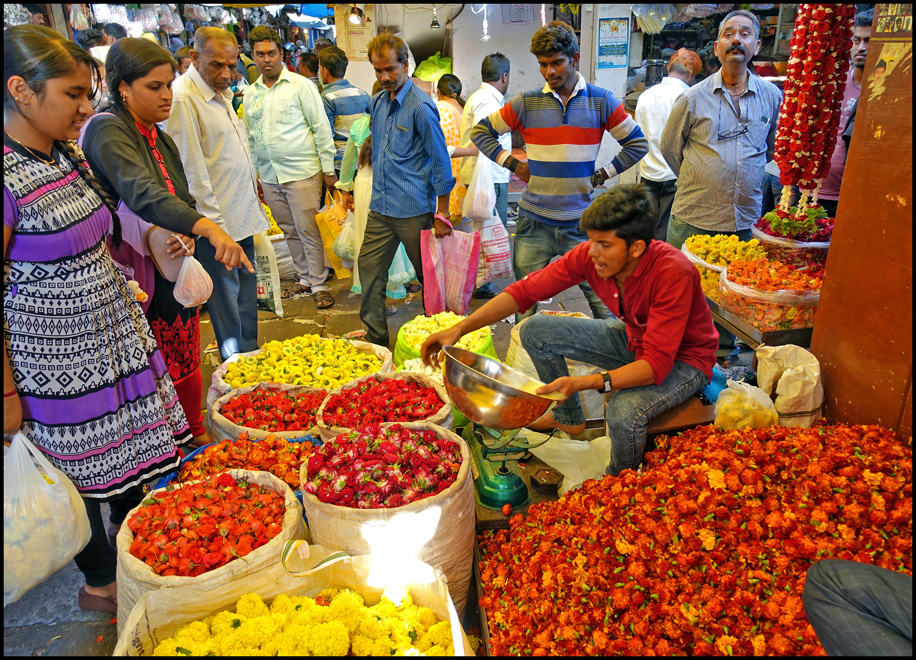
(546, 422)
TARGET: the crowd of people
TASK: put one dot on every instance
(191, 140)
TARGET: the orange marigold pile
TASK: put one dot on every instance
(703, 553)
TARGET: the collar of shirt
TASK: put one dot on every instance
(285, 76)
(206, 91)
(580, 85)
(492, 91)
(399, 99)
(337, 84)
(674, 82)
(752, 82)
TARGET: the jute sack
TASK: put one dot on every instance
(442, 417)
(222, 429)
(136, 578)
(159, 614)
(438, 530)
(218, 386)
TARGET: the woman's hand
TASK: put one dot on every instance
(180, 245)
(12, 415)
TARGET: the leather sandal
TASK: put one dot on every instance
(323, 299)
(87, 601)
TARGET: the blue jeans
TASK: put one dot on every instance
(772, 193)
(233, 307)
(858, 609)
(603, 342)
(536, 244)
(502, 201)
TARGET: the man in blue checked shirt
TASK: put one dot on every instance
(412, 180)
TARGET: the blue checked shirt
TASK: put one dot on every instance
(409, 155)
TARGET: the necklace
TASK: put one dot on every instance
(46, 162)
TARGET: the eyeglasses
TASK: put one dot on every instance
(733, 133)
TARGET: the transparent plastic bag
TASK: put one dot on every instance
(742, 406)
(44, 519)
(193, 286)
(653, 18)
(769, 310)
(480, 199)
(795, 253)
(495, 252)
(694, 259)
(345, 243)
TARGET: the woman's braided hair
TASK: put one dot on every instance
(74, 155)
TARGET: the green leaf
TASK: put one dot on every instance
(618, 569)
(607, 550)
(413, 635)
(236, 623)
(709, 517)
(182, 650)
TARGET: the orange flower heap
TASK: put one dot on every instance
(704, 553)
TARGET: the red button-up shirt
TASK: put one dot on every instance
(665, 311)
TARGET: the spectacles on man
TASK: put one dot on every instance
(733, 133)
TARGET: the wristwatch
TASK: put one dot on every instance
(599, 177)
(606, 386)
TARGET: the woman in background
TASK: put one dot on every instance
(450, 106)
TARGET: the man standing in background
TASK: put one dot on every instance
(343, 102)
(652, 111)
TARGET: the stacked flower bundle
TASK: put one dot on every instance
(810, 113)
(706, 552)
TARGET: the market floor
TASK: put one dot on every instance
(47, 620)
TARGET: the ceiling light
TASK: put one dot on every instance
(435, 24)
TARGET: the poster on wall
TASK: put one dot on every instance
(516, 14)
(353, 39)
(613, 43)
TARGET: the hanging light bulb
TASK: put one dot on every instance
(485, 36)
(435, 24)
(543, 15)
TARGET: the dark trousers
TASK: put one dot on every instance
(663, 193)
(380, 243)
(829, 205)
(98, 561)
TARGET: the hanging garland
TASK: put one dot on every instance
(810, 114)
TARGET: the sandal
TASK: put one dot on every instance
(413, 287)
(323, 299)
(87, 601)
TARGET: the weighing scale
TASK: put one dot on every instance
(499, 401)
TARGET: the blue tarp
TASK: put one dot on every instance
(321, 11)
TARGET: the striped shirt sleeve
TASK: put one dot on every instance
(673, 137)
(624, 129)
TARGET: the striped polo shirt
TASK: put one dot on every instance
(344, 104)
(562, 145)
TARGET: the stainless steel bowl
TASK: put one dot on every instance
(492, 394)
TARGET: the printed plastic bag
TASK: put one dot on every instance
(480, 199)
(496, 255)
(268, 275)
(795, 374)
(449, 270)
(193, 286)
(44, 519)
(345, 243)
(331, 220)
(742, 406)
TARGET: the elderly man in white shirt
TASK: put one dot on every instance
(490, 97)
(222, 179)
(652, 110)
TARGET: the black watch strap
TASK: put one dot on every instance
(607, 385)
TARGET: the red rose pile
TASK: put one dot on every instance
(382, 468)
(195, 528)
(815, 80)
(811, 226)
(377, 401)
(274, 411)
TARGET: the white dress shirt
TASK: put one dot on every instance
(652, 110)
(480, 105)
(214, 152)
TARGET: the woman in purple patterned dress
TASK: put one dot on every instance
(83, 379)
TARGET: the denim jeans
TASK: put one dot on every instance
(772, 193)
(536, 244)
(678, 232)
(233, 306)
(663, 192)
(380, 243)
(603, 343)
(502, 201)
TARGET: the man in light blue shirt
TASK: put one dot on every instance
(292, 146)
(343, 102)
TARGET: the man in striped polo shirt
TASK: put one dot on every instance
(562, 125)
(343, 102)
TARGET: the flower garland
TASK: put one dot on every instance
(706, 551)
(810, 114)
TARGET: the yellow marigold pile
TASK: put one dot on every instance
(336, 623)
(706, 551)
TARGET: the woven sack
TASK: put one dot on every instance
(222, 429)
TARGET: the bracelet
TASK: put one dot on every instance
(511, 163)
(7, 395)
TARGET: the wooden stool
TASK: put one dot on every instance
(680, 418)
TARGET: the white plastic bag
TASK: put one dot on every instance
(795, 374)
(495, 253)
(480, 199)
(285, 266)
(577, 460)
(193, 286)
(268, 275)
(345, 243)
(742, 406)
(44, 519)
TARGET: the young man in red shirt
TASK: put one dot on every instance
(659, 351)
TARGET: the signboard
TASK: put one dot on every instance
(354, 39)
(613, 43)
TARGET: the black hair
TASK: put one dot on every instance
(865, 18)
(493, 67)
(388, 40)
(90, 38)
(264, 33)
(130, 59)
(310, 61)
(627, 209)
(38, 54)
(449, 85)
(881, 65)
(555, 37)
(114, 30)
(181, 53)
(334, 60)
